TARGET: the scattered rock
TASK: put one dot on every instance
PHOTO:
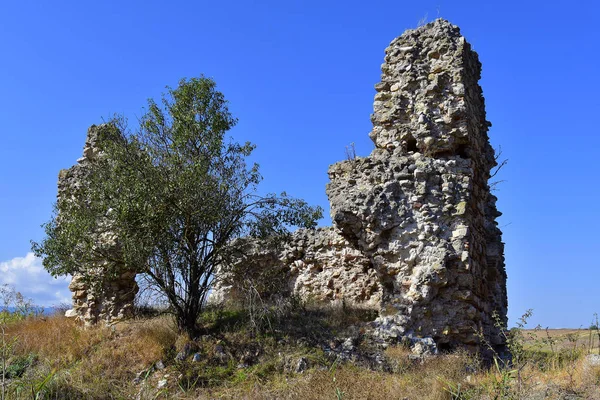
(592, 361)
(301, 365)
(140, 376)
(185, 352)
(424, 346)
(348, 345)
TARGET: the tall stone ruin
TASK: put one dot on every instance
(415, 233)
(97, 295)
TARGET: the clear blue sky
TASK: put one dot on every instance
(299, 76)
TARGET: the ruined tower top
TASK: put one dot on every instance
(419, 206)
(428, 100)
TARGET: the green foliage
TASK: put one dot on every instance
(507, 379)
(174, 193)
(501, 386)
(515, 339)
(18, 365)
(457, 391)
(339, 394)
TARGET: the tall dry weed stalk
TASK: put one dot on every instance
(351, 152)
(14, 308)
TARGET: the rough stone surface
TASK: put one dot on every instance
(314, 264)
(592, 360)
(97, 296)
(415, 233)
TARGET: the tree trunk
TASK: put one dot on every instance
(186, 323)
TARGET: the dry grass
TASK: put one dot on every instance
(562, 339)
(55, 338)
(347, 383)
(93, 363)
(126, 352)
(420, 381)
(64, 341)
(101, 363)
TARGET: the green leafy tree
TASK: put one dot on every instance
(173, 194)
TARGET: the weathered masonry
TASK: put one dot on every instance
(415, 233)
(98, 296)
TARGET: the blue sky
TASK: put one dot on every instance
(299, 76)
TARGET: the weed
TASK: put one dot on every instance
(595, 325)
(457, 391)
(351, 152)
(14, 308)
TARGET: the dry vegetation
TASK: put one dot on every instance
(54, 358)
(91, 363)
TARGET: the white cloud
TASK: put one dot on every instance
(29, 277)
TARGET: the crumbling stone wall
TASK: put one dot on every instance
(415, 232)
(319, 265)
(97, 295)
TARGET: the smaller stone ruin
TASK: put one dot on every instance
(97, 296)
